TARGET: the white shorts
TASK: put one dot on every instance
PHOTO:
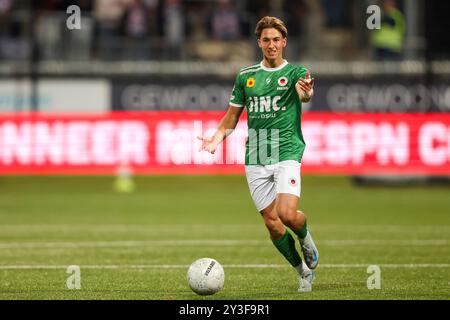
(265, 182)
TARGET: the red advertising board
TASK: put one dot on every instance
(166, 143)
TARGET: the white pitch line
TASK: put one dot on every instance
(396, 242)
(231, 266)
(211, 242)
(208, 227)
(131, 243)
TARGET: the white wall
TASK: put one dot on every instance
(59, 95)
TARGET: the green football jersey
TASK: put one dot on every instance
(274, 112)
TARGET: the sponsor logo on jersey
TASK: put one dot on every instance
(268, 80)
(250, 82)
(282, 81)
(264, 104)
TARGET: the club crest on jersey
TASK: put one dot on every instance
(293, 181)
(250, 82)
(282, 81)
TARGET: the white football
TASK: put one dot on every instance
(205, 276)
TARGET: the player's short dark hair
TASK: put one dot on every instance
(270, 22)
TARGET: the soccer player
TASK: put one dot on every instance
(272, 92)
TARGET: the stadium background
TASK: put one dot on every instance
(99, 163)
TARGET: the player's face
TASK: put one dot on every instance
(272, 44)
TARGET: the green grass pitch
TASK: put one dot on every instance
(139, 245)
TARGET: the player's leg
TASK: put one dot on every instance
(286, 211)
(285, 243)
(280, 236)
(309, 249)
(262, 189)
(261, 182)
(288, 195)
(286, 207)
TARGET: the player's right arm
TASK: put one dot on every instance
(231, 118)
(225, 128)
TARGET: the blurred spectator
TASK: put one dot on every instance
(173, 28)
(5, 12)
(310, 48)
(197, 21)
(78, 44)
(55, 41)
(49, 5)
(157, 29)
(296, 13)
(335, 12)
(108, 15)
(62, 5)
(154, 17)
(49, 30)
(225, 21)
(135, 20)
(85, 5)
(13, 43)
(388, 40)
(135, 24)
(258, 9)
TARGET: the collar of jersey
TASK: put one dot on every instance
(281, 66)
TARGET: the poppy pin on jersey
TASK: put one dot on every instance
(250, 82)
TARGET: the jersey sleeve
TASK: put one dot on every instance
(237, 98)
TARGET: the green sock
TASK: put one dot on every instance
(286, 245)
(302, 232)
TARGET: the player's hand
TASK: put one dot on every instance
(208, 144)
(305, 88)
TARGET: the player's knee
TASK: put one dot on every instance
(271, 223)
(288, 215)
(274, 226)
(301, 213)
(301, 218)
